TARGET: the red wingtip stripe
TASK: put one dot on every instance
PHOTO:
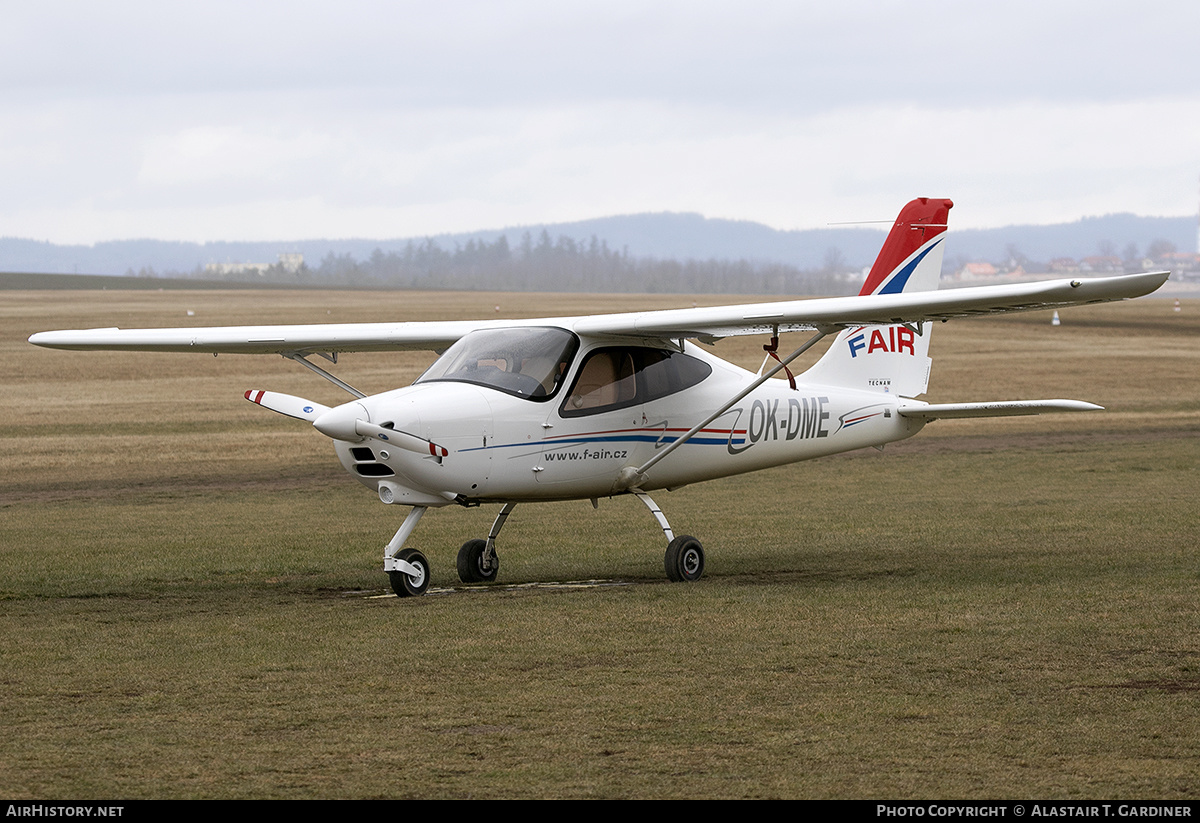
(257, 398)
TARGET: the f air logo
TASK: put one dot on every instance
(899, 339)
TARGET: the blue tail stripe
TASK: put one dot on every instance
(900, 279)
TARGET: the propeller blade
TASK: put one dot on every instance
(296, 407)
(345, 422)
(400, 439)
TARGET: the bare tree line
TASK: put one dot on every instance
(545, 264)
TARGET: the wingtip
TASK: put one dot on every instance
(1156, 278)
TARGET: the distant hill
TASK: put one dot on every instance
(1080, 239)
(666, 236)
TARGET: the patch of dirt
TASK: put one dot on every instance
(164, 488)
(1169, 686)
(941, 443)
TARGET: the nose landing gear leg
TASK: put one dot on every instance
(407, 569)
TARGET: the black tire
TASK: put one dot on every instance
(470, 563)
(684, 560)
(405, 585)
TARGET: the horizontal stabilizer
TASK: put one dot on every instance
(296, 407)
(1004, 408)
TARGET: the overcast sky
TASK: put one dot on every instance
(293, 120)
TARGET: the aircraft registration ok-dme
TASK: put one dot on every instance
(566, 408)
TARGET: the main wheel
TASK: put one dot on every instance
(684, 559)
(471, 563)
(411, 585)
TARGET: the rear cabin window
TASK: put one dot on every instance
(621, 376)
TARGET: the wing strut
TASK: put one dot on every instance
(299, 358)
(631, 477)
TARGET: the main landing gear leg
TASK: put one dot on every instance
(407, 569)
(477, 559)
(684, 559)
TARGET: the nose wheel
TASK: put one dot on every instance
(409, 574)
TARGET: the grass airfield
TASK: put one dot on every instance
(192, 605)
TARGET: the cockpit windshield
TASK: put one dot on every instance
(524, 362)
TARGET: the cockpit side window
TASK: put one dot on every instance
(524, 362)
(620, 376)
(606, 379)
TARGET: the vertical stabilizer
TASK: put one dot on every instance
(892, 359)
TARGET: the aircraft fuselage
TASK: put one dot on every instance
(504, 447)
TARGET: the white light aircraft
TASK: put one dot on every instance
(570, 408)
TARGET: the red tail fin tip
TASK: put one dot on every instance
(919, 223)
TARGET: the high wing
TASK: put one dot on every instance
(826, 314)
(324, 337)
(839, 312)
